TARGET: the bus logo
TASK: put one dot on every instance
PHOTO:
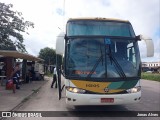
(106, 90)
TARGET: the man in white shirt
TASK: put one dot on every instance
(54, 78)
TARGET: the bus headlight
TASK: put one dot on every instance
(134, 90)
(75, 90)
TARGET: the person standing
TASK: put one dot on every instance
(54, 78)
(14, 76)
(18, 78)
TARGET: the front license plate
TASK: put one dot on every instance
(107, 100)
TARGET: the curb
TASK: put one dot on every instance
(25, 99)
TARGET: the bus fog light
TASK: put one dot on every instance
(134, 90)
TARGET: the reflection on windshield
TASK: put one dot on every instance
(105, 28)
(89, 56)
(123, 52)
(83, 54)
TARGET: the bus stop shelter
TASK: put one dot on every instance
(16, 54)
(9, 57)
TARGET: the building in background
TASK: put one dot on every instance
(151, 66)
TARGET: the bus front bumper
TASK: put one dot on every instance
(95, 99)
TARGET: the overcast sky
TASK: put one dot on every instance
(50, 15)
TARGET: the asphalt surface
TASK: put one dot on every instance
(46, 99)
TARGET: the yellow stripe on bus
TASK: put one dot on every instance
(94, 86)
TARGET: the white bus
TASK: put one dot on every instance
(102, 63)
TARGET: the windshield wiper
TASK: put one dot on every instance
(116, 64)
(96, 64)
(101, 53)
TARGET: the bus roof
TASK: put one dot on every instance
(97, 18)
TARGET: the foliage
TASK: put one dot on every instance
(12, 24)
(49, 55)
(151, 76)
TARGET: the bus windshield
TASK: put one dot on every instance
(93, 57)
(105, 28)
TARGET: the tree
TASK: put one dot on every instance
(49, 55)
(12, 24)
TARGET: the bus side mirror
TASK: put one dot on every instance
(149, 44)
(60, 44)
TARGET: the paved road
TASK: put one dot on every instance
(46, 100)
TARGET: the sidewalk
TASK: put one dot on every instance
(9, 100)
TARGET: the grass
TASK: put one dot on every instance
(151, 76)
